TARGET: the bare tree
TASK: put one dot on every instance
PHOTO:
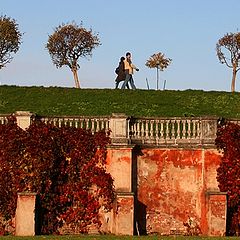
(159, 62)
(68, 43)
(228, 52)
(10, 39)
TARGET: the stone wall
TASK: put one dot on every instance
(174, 187)
(164, 185)
(175, 190)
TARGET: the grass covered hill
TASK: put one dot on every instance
(140, 103)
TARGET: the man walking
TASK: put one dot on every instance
(129, 67)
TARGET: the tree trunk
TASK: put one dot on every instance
(233, 79)
(157, 76)
(75, 75)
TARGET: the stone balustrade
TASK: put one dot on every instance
(95, 124)
(130, 130)
(173, 131)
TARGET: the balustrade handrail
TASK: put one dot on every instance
(183, 117)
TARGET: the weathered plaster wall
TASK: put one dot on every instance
(173, 187)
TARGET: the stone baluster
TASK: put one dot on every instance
(141, 129)
(188, 129)
(151, 128)
(132, 129)
(161, 129)
(98, 125)
(137, 129)
(88, 122)
(61, 123)
(75, 122)
(81, 121)
(167, 129)
(55, 121)
(178, 133)
(103, 124)
(71, 123)
(157, 131)
(171, 129)
(93, 122)
(184, 129)
(198, 129)
(194, 122)
(146, 129)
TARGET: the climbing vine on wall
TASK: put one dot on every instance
(64, 166)
(228, 173)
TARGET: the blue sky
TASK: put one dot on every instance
(184, 30)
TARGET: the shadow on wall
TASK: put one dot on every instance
(140, 208)
(38, 216)
(141, 222)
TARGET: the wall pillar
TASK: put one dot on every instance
(25, 214)
(23, 119)
(120, 165)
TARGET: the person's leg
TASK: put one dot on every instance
(132, 83)
(128, 76)
(117, 83)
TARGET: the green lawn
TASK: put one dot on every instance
(149, 103)
(111, 237)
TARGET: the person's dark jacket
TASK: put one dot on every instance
(121, 72)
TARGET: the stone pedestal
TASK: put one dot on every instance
(208, 130)
(25, 214)
(23, 119)
(119, 127)
(124, 217)
(217, 213)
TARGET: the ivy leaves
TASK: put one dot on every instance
(64, 166)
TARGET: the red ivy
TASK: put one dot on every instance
(64, 166)
(228, 173)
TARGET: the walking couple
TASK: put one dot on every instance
(124, 72)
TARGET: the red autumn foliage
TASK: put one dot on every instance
(228, 173)
(64, 166)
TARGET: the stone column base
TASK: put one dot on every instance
(124, 218)
(25, 214)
